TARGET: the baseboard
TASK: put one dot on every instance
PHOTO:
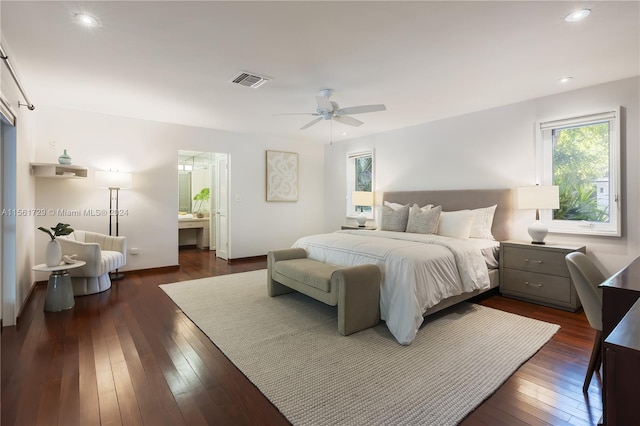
(168, 268)
(250, 258)
(27, 300)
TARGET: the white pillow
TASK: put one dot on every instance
(394, 206)
(455, 224)
(482, 223)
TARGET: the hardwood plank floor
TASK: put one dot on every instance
(129, 356)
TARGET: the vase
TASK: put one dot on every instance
(53, 253)
(64, 158)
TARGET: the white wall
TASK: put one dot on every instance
(25, 198)
(150, 150)
(495, 149)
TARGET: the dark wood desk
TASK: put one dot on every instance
(622, 370)
(619, 293)
(621, 348)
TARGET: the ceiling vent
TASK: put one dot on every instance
(250, 79)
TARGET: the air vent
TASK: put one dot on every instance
(250, 79)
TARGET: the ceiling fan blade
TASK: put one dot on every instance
(311, 123)
(324, 104)
(298, 113)
(345, 119)
(361, 109)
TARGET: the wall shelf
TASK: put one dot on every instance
(58, 171)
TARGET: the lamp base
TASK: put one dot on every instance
(538, 232)
(116, 275)
(362, 220)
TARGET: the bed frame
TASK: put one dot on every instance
(458, 200)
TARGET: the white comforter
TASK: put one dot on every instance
(418, 270)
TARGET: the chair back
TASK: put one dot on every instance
(586, 278)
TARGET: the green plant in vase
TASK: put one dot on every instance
(53, 252)
(199, 198)
(61, 229)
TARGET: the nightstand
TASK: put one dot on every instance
(538, 274)
(368, 228)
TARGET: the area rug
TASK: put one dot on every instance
(290, 348)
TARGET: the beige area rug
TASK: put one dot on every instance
(289, 346)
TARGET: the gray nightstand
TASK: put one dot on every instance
(538, 273)
(369, 228)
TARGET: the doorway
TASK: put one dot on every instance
(8, 238)
(203, 199)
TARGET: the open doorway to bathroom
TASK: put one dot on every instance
(203, 181)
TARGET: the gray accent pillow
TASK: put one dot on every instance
(394, 220)
(423, 221)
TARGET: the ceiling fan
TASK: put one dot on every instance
(330, 110)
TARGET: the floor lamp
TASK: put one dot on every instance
(114, 181)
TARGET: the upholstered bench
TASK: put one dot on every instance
(355, 290)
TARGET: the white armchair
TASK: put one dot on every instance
(103, 254)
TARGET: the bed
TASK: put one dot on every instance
(422, 273)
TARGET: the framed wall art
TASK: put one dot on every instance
(282, 176)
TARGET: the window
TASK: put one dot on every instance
(582, 156)
(359, 178)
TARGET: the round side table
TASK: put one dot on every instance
(59, 290)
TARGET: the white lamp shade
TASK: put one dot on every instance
(538, 197)
(114, 179)
(362, 198)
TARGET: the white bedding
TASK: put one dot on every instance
(418, 270)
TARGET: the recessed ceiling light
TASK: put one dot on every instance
(578, 15)
(565, 79)
(86, 20)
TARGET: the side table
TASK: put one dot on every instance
(538, 274)
(368, 228)
(59, 290)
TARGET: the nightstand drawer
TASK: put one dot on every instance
(546, 288)
(535, 260)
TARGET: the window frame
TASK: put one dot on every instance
(351, 183)
(544, 171)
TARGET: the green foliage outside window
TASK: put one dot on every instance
(364, 170)
(580, 160)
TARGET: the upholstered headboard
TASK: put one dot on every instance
(464, 199)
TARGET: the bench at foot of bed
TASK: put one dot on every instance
(354, 289)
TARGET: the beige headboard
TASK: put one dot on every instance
(464, 199)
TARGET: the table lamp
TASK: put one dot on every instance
(538, 197)
(361, 199)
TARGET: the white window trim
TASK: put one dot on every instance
(351, 211)
(544, 173)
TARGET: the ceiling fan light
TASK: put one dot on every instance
(577, 15)
(86, 20)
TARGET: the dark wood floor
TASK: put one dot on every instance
(129, 356)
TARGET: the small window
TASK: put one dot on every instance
(581, 156)
(359, 178)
